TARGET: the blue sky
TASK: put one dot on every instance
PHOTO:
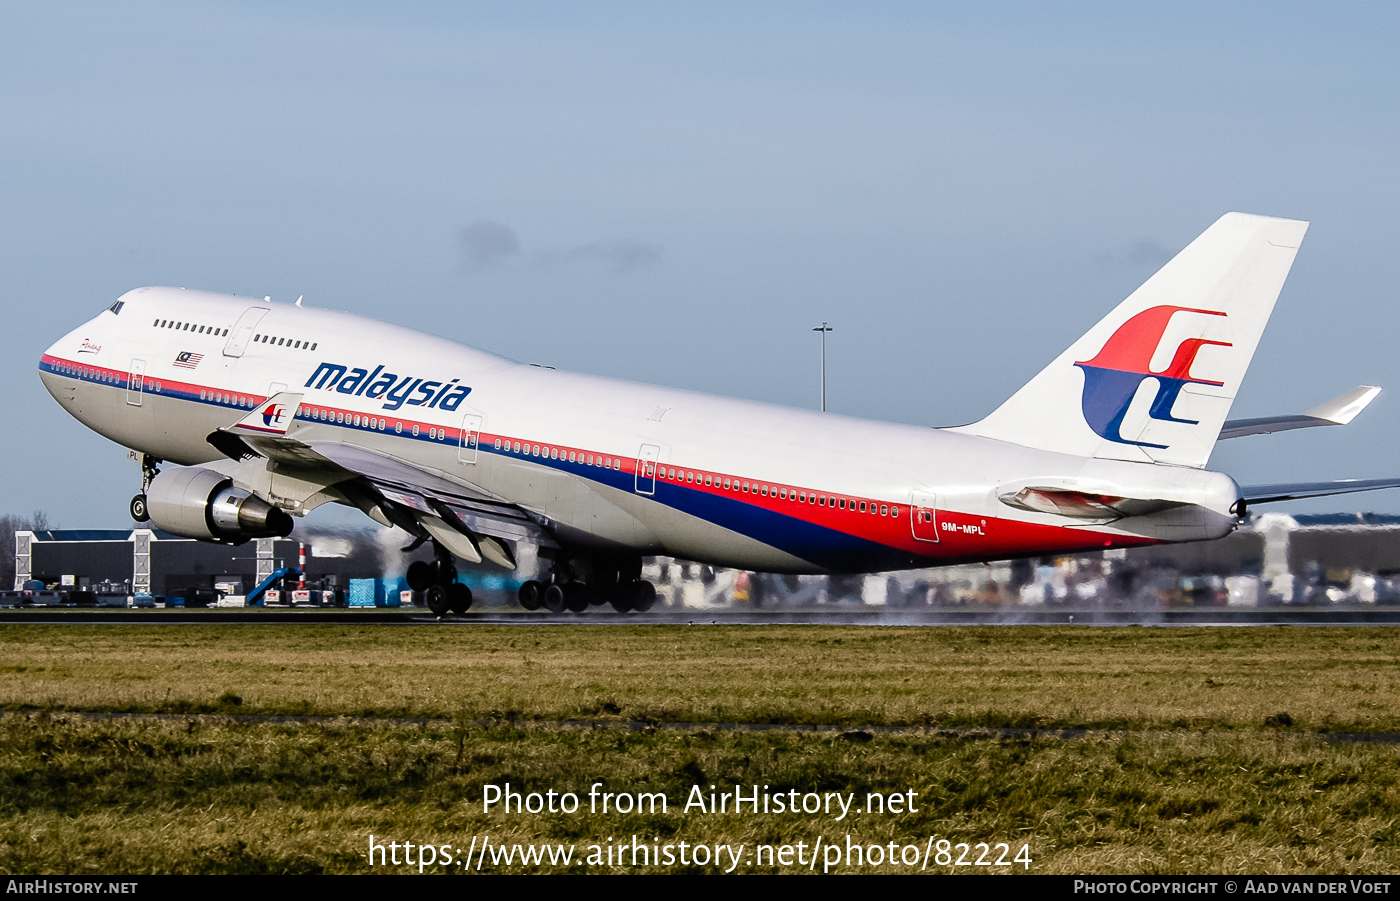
(678, 193)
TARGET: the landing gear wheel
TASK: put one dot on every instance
(530, 595)
(459, 598)
(139, 513)
(420, 575)
(436, 599)
(577, 596)
(554, 598)
(443, 572)
(643, 596)
(621, 598)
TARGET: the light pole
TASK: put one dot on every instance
(823, 328)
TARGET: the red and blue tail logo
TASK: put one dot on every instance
(1113, 377)
(273, 414)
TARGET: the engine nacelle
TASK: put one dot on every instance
(194, 502)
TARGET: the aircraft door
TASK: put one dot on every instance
(243, 331)
(136, 382)
(923, 512)
(470, 438)
(646, 469)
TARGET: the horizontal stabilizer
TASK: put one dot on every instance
(1337, 411)
(1264, 494)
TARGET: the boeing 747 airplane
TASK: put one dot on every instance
(267, 411)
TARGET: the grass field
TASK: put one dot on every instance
(1215, 766)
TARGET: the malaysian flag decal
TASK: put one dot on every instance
(187, 360)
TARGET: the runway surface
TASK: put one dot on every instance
(854, 616)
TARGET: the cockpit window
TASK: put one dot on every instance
(116, 307)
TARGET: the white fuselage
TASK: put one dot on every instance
(602, 463)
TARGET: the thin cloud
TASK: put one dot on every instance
(617, 257)
(487, 244)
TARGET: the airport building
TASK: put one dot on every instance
(1273, 559)
(148, 561)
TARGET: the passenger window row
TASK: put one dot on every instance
(190, 327)
(94, 374)
(780, 492)
(283, 342)
(340, 417)
(220, 332)
(709, 480)
(228, 400)
(557, 453)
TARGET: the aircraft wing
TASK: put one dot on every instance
(393, 492)
(263, 433)
(1337, 411)
(1263, 494)
(469, 523)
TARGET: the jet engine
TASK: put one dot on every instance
(200, 503)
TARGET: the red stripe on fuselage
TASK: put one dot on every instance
(961, 536)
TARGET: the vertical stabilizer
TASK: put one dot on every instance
(1154, 380)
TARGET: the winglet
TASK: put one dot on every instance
(271, 417)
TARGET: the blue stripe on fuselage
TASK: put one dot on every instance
(820, 545)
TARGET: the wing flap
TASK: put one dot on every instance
(459, 543)
(466, 513)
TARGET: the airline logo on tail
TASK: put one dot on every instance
(270, 417)
(273, 415)
(1112, 378)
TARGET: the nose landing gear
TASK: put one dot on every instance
(149, 470)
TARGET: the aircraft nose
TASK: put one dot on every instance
(53, 352)
(60, 357)
(65, 348)
(50, 360)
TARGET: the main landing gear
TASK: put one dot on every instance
(438, 583)
(149, 470)
(578, 583)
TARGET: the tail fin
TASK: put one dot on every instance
(1154, 380)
